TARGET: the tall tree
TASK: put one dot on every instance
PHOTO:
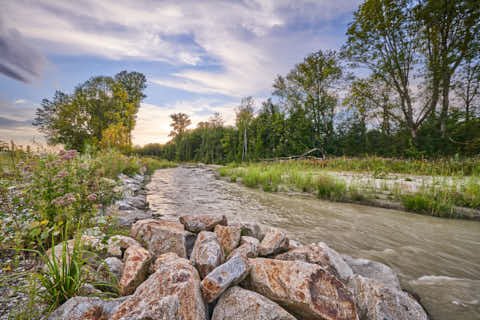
(83, 117)
(180, 122)
(244, 115)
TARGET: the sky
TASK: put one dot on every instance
(199, 57)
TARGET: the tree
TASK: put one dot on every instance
(180, 122)
(467, 86)
(96, 105)
(450, 28)
(244, 113)
(308, 92)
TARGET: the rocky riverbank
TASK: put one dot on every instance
(203, 267)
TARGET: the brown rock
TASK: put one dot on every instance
(174, 277)
(165, 309)
(118, 244)
(376, 301)
(207, 253)
(161, 236)
(321, 254)
(229, 237)
(231, 272)
(240, 304)
(135, 270)
(275, 241)
(205, 222)
(305, 290)
(373, 270)
(164, 259)
(248, 248)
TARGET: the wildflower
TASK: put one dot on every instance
(21, 163)
(92, 197)
(7, 268)
(61, 174)
(44, 222)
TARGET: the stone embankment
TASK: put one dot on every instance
(203, 267)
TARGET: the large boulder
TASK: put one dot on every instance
(161, 236)
(373, 270)
(86, 308)
(174, 277)
(207, 253)
(249, 229)
(229, 237)
(248, 248)
(205, 222)
(240, 304)
(274, 241)
(118, 244)
(306, 290)
(231, 272)
(135, 271)
(376, 301)
(321, 254)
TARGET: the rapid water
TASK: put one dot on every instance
(436, 258)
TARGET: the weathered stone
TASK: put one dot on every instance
(138, 202)
(87, 290)
(240, 304)
(165, 309)
(164, 259)
(292, 244)
(205, 222)
(118, 244)
(321, 254)
(231, 272)
(249, 229)
(248, 248)
(174, 277)
(373, 270)
(126, 218)
(229, 237)
(306, 290)
(85, 242)
(207, 253)
(161, 236)
(109, 273)
(275, 241)
(190, 239)
(378, 302)
(86, 308)
(137, 261)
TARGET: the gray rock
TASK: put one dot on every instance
(322, 255)
(207, 253)
(248, 248)
(249, 229)
(378, 302)
(109, 273)
(240, 304)
(275, 241)
(138, 202)
(126, 218)
(205, 222)
(373, 270)
(306, 290)
(230, 273)
(81, 308)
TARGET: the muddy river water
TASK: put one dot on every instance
(438, 259)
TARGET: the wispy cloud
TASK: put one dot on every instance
(18, 59)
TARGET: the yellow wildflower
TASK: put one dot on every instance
(44, 222)
(7, 268)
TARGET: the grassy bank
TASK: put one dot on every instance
(438, 188)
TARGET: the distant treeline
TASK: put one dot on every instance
(420, 96)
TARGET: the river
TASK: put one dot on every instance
(439, 259)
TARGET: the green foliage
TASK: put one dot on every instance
(101, 110)
(424, 204)
(331, 189)
(64, 276)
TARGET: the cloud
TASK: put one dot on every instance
(18, 60)
(248, 41)
(10, 123)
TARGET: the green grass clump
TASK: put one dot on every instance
(330, 188)
(424, 204)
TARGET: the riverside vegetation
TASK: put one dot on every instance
(50, 197)
(436, 188)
